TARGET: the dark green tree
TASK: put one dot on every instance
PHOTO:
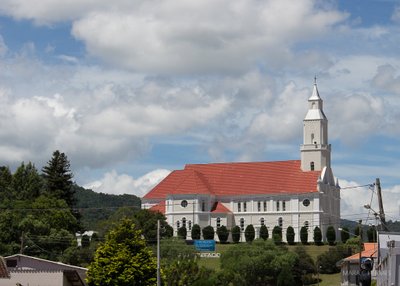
(168, 231)
(285, 277)
(290, 235)
(249, 233)
(26, 182)
(331, 235)
(223, 234)
(235, 234)
(85, 241)
(277, 235)
(371, 234)
(305, 267)
(304, 235)
(208, 232)
(58, 178)
(123, 259)
(264, 232)
(146, 221)
(328, 260)
(182, 232)
(317, 236)
(196, 231)
(344, 234)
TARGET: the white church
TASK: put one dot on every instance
(293, 193)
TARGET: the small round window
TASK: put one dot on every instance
(306, 202)
(184, 203)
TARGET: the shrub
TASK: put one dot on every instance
(182, 232)
(168, 231)
(277, 235)
(196, 231)
(235, 234)
(290, 235)
(331, 235)
(317, 236)
(344, 234)
(208, 232)
(249, 233)
(304, 235)
(223, 234)
(264, 232)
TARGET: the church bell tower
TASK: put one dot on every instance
(315, 150)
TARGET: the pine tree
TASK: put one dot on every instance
(264, 232)
(58, 178)
(249, 233)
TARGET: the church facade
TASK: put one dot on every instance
(293, 193)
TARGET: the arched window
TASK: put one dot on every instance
(218, 222)
(283, 205)
(184, 222)
(306, 224)
(178, 224)
(242, 224)
(203, 206)
(244, 206)
(259, 206)
(312, 166)
(262, 221)
(190, 225)
(280, 222)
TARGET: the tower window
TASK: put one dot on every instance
(312, 137)
(312, 166)
(184, 222)
(218, 222)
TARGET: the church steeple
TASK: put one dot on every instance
(315, 150)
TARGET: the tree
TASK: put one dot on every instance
(249, 233)
(146, 221)
(182, 232)
(371, 234)
(168, 231)
(305, 268)
(277, 235)
(264, 232)
(285, 277)
(235, 234)
(290, 235)
(196, 231)
(331, 235)
(304, 235)
(58, 178)
(223, 234)
(26, 182)
(317, 236)
(85, 241)
(123, 259)
(344, 234)
(328, 260)
(208, 232)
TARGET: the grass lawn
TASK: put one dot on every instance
(313, 250)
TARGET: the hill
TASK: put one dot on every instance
(95, 207)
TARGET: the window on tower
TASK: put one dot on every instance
(312, 166)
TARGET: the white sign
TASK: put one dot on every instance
(209, 254)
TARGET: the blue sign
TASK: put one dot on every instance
(204, 245)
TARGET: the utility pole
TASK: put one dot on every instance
(158, 254)
(381, 211)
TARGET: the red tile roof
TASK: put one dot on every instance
(370, 250)
(218, 208)
(235, 179)
(158, 208)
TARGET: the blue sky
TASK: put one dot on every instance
(131, 90)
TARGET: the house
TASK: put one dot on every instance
(27, 270)
(350, 266)
(388, 265)
(293, 193)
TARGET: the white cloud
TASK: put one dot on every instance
(114, 183)
(354, 199)
(218, 36)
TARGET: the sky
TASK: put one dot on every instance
(130, 89)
